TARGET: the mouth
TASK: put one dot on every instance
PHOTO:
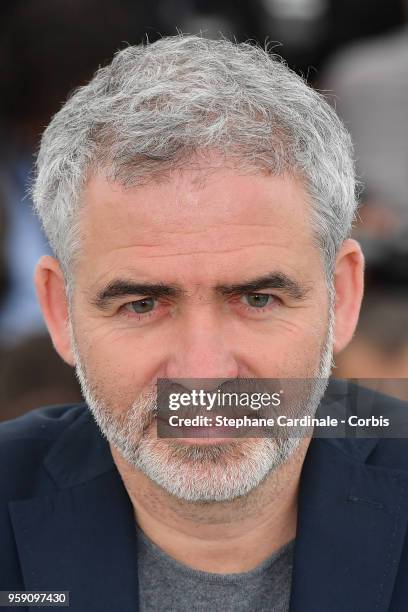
(202, 430)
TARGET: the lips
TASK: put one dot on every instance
(205, 431)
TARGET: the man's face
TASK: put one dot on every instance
(199, 276)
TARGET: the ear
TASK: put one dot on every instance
(50, 287)
(349, 286)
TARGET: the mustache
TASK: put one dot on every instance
(153, 403)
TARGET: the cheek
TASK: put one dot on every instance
(290, 346)
(112, 353)
(295, 356)
(115, 375)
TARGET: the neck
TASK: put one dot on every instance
(218, 537)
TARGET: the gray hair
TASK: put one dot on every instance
(158, 105)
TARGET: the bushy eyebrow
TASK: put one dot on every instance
(275, 280)
(123, 288)
(120, 288)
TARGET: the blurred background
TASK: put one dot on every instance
(356, 52)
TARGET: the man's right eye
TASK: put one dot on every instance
(142, 306)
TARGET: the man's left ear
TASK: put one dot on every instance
(349, 286)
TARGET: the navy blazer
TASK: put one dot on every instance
(67, 523)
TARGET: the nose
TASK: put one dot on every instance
(203, 349)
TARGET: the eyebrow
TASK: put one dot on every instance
(275, 280)
(121, 288)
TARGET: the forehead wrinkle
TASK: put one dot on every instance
(201, 252)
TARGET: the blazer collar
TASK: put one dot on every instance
(80, 454)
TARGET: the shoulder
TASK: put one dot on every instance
(26, 440)
(383, 446)
(40, 424)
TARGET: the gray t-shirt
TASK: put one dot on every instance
(165, 585)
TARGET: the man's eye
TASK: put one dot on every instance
(141, 306)
(257, 300)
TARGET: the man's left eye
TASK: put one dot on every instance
(257, 300)
(141, 306)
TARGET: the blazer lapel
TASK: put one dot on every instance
(351, 527)
(81, 538)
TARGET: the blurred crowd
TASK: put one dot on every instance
(356, 52)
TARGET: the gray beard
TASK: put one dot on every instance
(193, 473)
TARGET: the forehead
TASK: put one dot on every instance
(223, 218)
